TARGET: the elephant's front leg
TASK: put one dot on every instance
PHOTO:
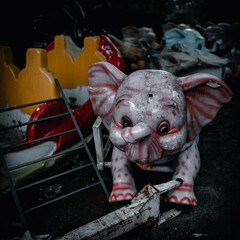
(123, 183)
(187, 168)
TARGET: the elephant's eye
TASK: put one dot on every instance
(126, 122)
(163, 128)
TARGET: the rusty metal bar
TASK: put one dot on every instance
(35, 121)
(30, 104)
(39, 139)
(53, 177)
(45, 158)
(7, 170)
(164, 187)
(101, 152)
(14, 192)
(61, 197)
(83, 140)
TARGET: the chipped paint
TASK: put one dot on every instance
(144, 208)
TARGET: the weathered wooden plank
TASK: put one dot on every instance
(144, 208)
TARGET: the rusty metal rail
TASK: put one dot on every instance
(84, 146)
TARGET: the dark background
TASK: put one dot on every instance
(25, 24)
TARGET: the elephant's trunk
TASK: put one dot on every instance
(138, 141)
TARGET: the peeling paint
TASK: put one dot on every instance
(144, 208)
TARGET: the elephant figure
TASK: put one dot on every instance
(153, 117)
(189, 37)
(135, 45)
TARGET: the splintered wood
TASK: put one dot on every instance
(144, 208)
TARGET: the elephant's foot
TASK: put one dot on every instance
(183, 195)
(122, 192)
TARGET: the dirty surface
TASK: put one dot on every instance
(216, 187)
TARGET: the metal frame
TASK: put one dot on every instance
(7, 170)
(101, 151)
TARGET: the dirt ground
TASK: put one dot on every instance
(216, 187)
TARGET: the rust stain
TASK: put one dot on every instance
(149, 220)
(155, 226)
(169, 218)
(113, 229)
(118, 226)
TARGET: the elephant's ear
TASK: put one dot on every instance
(205, 95)
(104, 80)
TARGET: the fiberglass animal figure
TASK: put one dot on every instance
(153, 117)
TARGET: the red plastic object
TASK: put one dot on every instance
(110, 51)
(84, 116)
(50, 46)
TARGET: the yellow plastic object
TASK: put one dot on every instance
(34, 83)
(83, 60)
(72, 73)
(61, 62)
(72, 48)
(8, 78)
